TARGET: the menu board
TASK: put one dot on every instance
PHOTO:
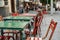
(1, 3)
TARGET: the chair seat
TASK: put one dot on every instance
(6, 37)
(11, 31)
(27, 30)
(33, 38)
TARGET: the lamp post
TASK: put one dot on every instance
(51, 6)
(47, 6)
(47, 1)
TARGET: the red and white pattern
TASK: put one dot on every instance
(33, 38)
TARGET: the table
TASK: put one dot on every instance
(13, 25)
(24, 18)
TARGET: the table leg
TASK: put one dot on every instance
(21, 35)
(2, 32)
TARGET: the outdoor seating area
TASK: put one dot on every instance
(29, 20)
(26, 24)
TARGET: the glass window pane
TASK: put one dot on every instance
(0, 0)
(5, 0)
(6, 3)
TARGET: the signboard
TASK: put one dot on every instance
(1, 3)
(26, 0)
(58, 4)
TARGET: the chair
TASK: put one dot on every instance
(36, 25)
(6, 37)
(40, 18)
(38, 21)
(51, 27)
(12, 32)
(15, 14)
(44, 11)
(1, 18)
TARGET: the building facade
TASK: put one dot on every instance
(9, 6)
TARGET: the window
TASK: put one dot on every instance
(1, 3)
(6, 2)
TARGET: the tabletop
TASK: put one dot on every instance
(18, 18)
(16, 25)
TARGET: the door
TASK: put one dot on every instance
(12, 6)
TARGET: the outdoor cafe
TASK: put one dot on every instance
(24, 26)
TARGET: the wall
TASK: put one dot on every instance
(2, 11)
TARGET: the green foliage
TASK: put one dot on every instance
(45, 1)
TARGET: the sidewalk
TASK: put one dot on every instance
(45, 25)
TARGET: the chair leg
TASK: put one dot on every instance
(16, 37)
(13, 37)
(39, 32)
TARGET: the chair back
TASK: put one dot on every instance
(35, 26)
(44, 11)
(37, 23)
(39, 19)
(52, 27)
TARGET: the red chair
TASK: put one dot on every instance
(36, 24)
(15, 14)
(34, 30)
(1, 18)
(12, 32)
(44, 11)
(6, 37)
(39, 19)
(51, 27)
